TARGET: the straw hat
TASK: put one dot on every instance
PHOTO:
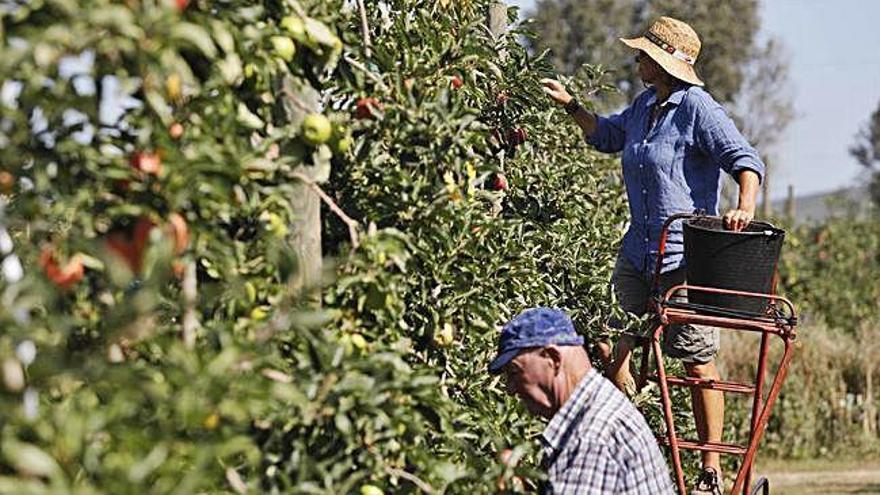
(672, 44)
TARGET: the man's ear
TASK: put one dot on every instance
(554, 354)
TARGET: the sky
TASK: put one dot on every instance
(834, 56)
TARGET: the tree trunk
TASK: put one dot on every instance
(789, 204)
(870, 414)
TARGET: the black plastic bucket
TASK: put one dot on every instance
(744, 261)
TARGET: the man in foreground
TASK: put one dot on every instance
(597, 441)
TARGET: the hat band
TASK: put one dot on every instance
(666, 47)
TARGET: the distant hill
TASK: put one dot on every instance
(817, 207)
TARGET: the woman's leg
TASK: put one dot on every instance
(632, 292)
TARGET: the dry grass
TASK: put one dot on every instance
(818, 413)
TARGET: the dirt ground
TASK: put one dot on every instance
(822, 477)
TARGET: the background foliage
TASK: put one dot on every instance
(156, 337)
(177, 358)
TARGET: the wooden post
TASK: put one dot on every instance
(789, 204)
(306, 241)
(297, 100)
(497, 22)
(190, 323)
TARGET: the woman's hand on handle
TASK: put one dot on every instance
(556, 91)
(738, 219)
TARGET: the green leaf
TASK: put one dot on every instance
(160, 106)
(116, 17)
(449, 472)
(247, 118)
(29, 459)
(139, 471)
(196, 36)
(222, 36)
(231, 69)
(319, 34)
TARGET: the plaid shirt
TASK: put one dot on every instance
(600, 443)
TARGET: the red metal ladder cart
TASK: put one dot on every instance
(779, 320)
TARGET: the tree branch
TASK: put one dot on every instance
(357, 65)
(350, 222)
(365, 28)
(424, 487)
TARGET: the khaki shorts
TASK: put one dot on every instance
(690, 343)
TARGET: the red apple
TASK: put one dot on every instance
(118, 244)
(64, 277)
(364, 108)
(516, 137)
(179, 231)
(176, 130)
(499, 182)
(146, 163)
(7, 182)
(130, 246)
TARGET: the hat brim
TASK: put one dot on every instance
(675, 67)
(501, 360)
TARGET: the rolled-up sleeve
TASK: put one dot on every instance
(718, 137)
(610, 134)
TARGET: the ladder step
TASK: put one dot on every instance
(733, 387)
(723, 448)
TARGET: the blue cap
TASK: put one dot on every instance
(535, 327)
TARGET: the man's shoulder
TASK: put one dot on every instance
(608, 414)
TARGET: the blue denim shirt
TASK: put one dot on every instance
(675, 167)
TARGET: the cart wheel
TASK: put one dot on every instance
(761, 486)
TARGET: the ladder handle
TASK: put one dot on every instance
(673, 291)
(661, 247)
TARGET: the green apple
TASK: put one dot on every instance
(341, 140)
(344, 145)
(316, 129)
(358, 341)
(445, 336)
(276, 225)
(295, 26)
(251, 291)
(259, 314)
(371, 490)
(283, 47)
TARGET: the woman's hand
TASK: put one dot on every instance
(738, 219)
(556, 91)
